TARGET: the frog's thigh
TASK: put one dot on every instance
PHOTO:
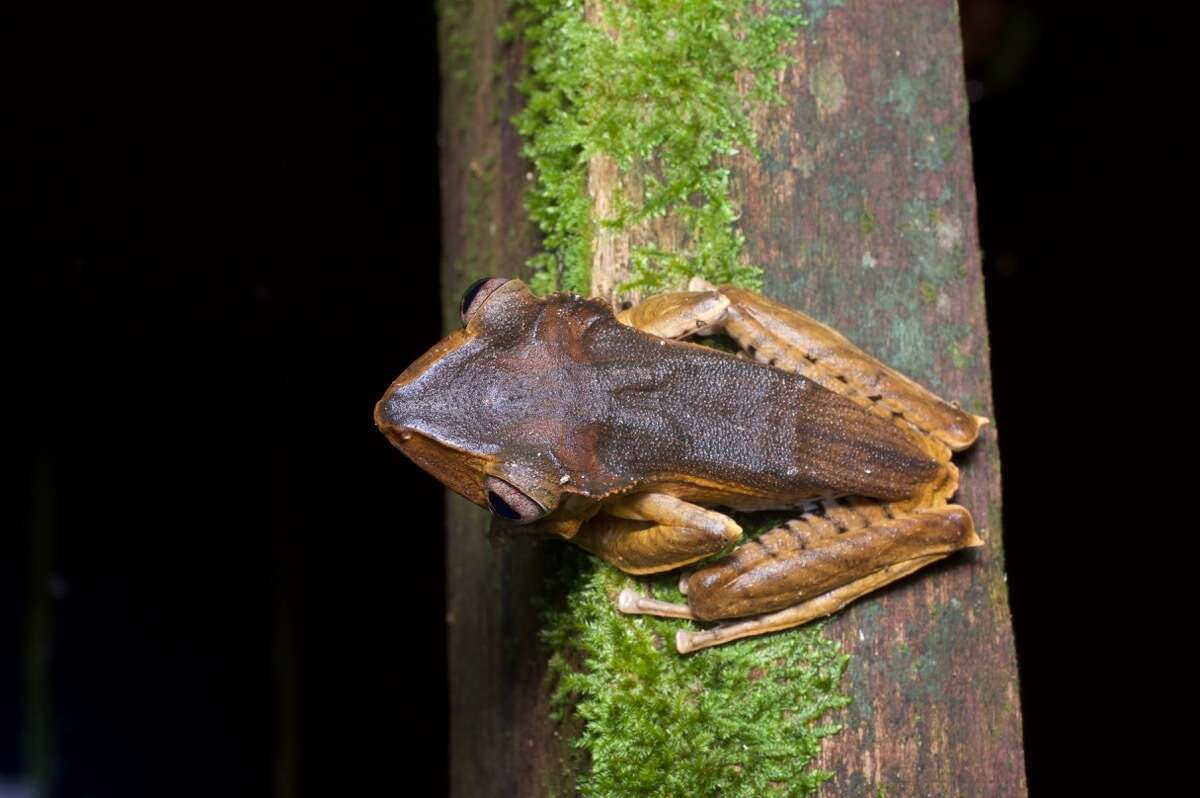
(653, 532)
(789, 340)
(812, 567)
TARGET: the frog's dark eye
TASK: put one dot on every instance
(510, 503)
(474, 297)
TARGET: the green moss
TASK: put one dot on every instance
(866, 221)
(736, 720)
(655, 87)
(742, 719)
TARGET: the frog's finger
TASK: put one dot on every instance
(630, 603)
(651, 532)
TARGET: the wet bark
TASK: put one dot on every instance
(861, 209)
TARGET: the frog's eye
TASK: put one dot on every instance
(510, 503)
(474, 297)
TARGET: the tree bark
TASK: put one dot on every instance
(862, 210)
(860, 206)
(502, 741)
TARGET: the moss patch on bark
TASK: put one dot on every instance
(663, 88)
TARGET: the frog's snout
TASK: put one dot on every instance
(392, 418)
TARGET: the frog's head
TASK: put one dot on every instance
(496, 410)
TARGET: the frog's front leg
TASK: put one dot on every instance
(651, 532)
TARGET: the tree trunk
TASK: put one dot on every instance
(860, 206)
(501, 736)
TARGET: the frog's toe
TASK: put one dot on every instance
(630, 602)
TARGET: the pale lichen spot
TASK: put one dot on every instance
(949, 232)
(827, 85)
(902, 95)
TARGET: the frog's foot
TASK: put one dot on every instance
(812, 567)
(630, 602)
(687, 641)
(652, 532)
(789, 340)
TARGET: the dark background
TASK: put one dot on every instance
(222, 580)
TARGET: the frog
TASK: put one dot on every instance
(621, 431)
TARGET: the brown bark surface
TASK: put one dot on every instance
(502, 741)
(861, 208)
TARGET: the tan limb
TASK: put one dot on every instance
(787, 339)
(653, 532)
(810, 568)
(778, 571)
(826, 604)
(796, 342)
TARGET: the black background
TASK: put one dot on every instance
(228, 246)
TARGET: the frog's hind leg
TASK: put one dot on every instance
(791, 341)
(811, 567)
(687, 641)
(787, 339)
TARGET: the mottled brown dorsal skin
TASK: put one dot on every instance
(555, 396)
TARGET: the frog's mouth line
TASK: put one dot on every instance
(397, 436)
(457, 470)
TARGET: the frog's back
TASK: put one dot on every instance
(713, 425)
